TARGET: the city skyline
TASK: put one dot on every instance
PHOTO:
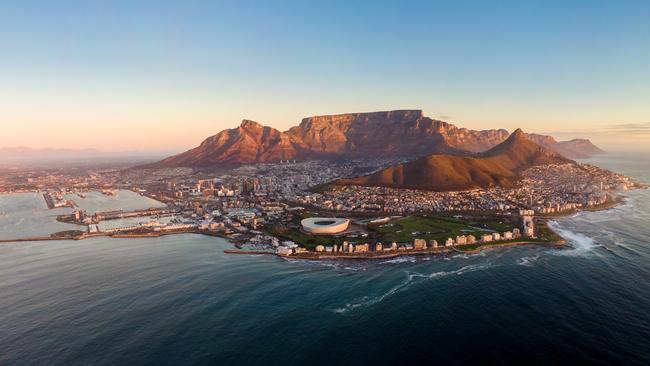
(103, 75)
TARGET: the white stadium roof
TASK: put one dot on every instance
(324, 225)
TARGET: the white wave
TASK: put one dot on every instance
(402, 259)
(580, 243)
(608, 234)
(482, 253)
(628, 203)
(354, 268)
(366, 301)
(577, 214)
(411, 277)
(324, 263)
(527, 261)
(626, 247)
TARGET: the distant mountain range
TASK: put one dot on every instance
(498, 166)
(405, 133)
(25, 152)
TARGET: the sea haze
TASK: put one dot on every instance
(181, 300)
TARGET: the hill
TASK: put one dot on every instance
(499, 166)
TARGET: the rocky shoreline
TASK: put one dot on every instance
(390, 255)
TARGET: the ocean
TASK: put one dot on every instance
(181, 300)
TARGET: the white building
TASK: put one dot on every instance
(325, 225)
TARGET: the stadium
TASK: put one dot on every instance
(325, 225)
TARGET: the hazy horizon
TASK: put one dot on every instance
(164, 75)
(605, 139)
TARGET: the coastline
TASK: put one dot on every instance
(395, 254)
(559, 243)
(113, 235)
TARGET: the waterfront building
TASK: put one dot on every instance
(527, 224)
(471, 239)
(319, 248)
(283, 251)
(496, 236)
(393, 246)
(379, 247)
(361, 248)
(79, 215)
(461, 240)
(93, 228)
(449, 242)
(420, 244)
(433, 243)
(507, 235)
(486, 238)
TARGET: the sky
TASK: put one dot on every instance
(163, 75)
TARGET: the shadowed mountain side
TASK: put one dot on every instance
(498, 166)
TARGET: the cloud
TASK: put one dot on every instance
(442, 116)
(638, 130)
(628, 129)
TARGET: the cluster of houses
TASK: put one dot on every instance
(290, 248)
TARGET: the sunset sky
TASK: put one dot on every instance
(163, 75)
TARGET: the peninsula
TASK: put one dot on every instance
(351, 186)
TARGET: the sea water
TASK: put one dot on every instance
(181, 300)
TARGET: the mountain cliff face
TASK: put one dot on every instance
(376, 134)
(250, 142)
(578, 148)
(351, 135)
(498, 166)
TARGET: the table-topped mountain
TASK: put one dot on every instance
(499, 166)
(405, 133)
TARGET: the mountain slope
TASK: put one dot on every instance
(498, 166)
(250, 142)
(344, 136)
(578, 148)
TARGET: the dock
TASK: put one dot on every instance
(48, 200)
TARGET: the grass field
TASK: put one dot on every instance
(404, 230)
(470, 247)
(434, 228)
(545, 233)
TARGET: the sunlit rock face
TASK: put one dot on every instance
(404, 133)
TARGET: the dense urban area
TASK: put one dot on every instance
(259, 207)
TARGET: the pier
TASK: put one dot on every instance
(119, 214)
(48, 200)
